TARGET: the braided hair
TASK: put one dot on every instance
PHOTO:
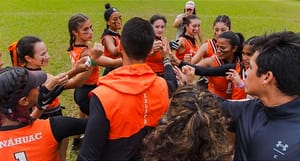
(74, 22)
(12, 83)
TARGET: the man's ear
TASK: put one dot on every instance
(268, 78)
(23, 101)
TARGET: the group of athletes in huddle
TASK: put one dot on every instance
(147, 106)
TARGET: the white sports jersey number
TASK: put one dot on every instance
(20, 156)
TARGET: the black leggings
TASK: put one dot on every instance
(82, 99)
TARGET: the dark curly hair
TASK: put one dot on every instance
(195, 129)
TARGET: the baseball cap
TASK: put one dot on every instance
(18, 82)
(190, 5)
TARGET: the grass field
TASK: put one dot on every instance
(47, 19)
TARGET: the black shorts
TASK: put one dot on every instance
(107, 70)
(82, 99)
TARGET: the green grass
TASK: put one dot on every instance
(48, 20)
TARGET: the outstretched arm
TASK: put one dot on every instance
(210, 71)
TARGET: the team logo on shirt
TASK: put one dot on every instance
(20, 140)
(280, 149)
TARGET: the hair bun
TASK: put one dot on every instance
(107, 6)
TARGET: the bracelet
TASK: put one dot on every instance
(93, 62)
(166, 60)
(241, 84)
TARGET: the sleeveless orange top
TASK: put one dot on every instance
(225, 88)
(117, 44)
(238, 93)
(75, 55)
(190, 48)
(155, 62)
(219, 85)
(212, 48)
(31, 142)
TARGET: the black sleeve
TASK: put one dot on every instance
(96, 132)
(170, 77)
(63, 127)
(210, 71)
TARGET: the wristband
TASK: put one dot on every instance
(90, 61)
(166, 60)
(241, 84)
(93, 62)
(42, 108)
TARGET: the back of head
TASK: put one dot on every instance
(137, 38)
(25, 47)
(280, 53)
(12, 83)
(15, 83)
(195, 130)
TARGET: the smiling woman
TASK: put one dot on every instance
(188, 44)
(230, 47)
(110, 38)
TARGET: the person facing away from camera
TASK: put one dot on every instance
(195, 129)
(116, 127)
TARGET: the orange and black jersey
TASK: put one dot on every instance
(222, 87)
(155, 61)
(39, 140)
(116, 37)
(191, 46)
(75, 55)
(211, 47)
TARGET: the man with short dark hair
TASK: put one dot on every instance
(128, 102)
(268, 128)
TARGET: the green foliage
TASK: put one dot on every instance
(48, 19)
